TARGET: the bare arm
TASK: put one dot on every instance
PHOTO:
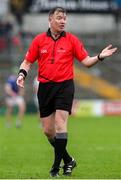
(21, 78)
(106, 52)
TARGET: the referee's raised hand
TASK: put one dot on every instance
(108, 51)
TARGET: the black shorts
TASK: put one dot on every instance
(55, 95)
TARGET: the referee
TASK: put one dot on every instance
(55, 51)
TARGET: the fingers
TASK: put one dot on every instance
(20, 81)
(20, 84)
(114, 49)
(108, 51)
(109, 47)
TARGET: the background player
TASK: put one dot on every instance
(14, 97)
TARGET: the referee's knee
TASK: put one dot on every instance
(49, 133)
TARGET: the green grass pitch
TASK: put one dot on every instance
(95, 143)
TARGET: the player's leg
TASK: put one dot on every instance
(37, 108)
(9, 109)
(21, 110)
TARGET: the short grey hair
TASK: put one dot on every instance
(58, 9)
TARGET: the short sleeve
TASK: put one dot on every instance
(79, 51)
(33, 51)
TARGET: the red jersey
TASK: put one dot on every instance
(55, 57)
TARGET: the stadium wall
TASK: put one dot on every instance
(77, 23)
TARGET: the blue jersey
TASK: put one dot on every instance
(12, 82)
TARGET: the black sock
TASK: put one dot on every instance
(52, 141)
(66, 157)
(60, 146)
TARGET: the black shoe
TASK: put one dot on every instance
(67, 168)
(54, 172)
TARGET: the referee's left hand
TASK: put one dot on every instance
(20, 81)
(108, 51)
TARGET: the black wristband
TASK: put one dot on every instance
(23, 71)
(99, 58)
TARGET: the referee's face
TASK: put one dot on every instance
(57, 21)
